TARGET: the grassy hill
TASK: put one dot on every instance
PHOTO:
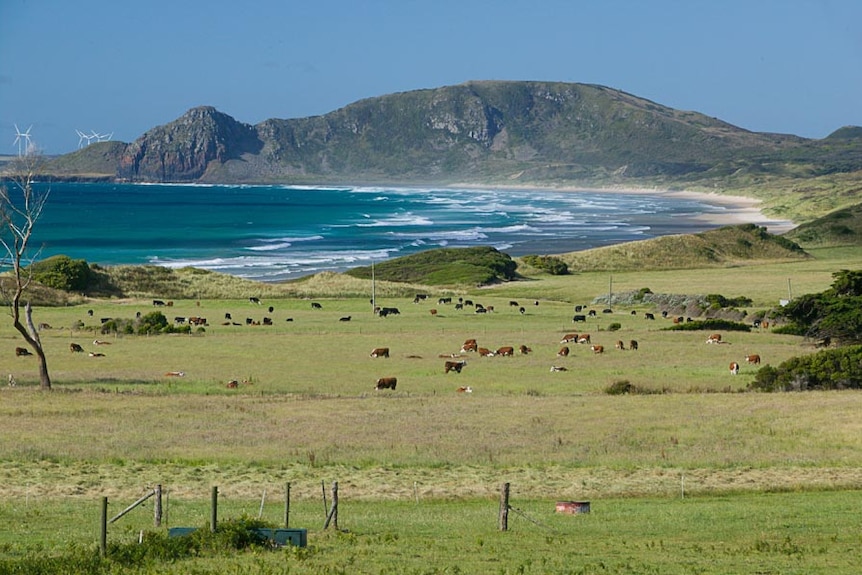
(842, 227)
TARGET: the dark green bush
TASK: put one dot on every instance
(553, 265)
(717, 301)
(829, 369)
(710, 325)
(614, 326)
(63, 273)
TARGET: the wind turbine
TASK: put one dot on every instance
(26, 135)
(81, 137)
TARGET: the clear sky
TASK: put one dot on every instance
(123, 67)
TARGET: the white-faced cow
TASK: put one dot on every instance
(754, 358)
(734, 368)
(564, 351)
(506, 351)
(714, 338)
(386, 383)
(598, 348)
(524, 350)
(455, 366)
(570, 338)
(75, 348)
(380, 352)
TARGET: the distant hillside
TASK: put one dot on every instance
(493, 133)
(731, 245)
(839, 228)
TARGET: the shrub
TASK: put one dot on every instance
(710, 325)
(828, 369)
(717, 301)
(553, 265)
(63, 273)
(614, 326)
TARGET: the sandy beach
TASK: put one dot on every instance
(735, 209)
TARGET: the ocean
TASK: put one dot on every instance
(276, 233)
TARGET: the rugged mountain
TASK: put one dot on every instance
(523, 133)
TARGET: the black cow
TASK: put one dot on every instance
(254, 300)
(315, 305)
(345, 318)
(579, 317)
(648, 315)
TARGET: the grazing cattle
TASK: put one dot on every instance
(267, 321)
(633, 344)
(44, 326)
(469, 345)
(180, 319)
(249, 321)
(584, 338)
(634, 312)
(254, 300)
(433, 312)
(578, 308)
(90, 312)
(468, 302)
(524, 350)
(288, 319)
(734, 368)
(607, 310)
(513, 304)
(506, 351)
(578, 318)
(75, 348)
(100, 342)
(522, 311)
(481, 310)
(564, 351)
(455, 366)
(385, 311)
(490, 308)
(620, 344)
(485, 352)
(754, 358)
(271, 309)
(175, 374)
(386, 383)
(765, 325)
(107, 319)
(444, 300)
(315, 305)
(459, 306)
(232, 384)
(558, 368)
(465, 389)
(19, 351)
(591, 313)
(677, 320)
(714, 338)
(171, 304)
(345, 318)
(380, 352)
(598, 348)
(648, 315)
(479, 306)
(158, 302)
(570, 338)
(96, 354)
(197, 321)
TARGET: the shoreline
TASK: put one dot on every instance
(738, 209)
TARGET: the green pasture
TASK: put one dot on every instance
(696, 475)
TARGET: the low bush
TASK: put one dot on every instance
(710, 325)
(829, 369)
(553, 265)
(62, 273)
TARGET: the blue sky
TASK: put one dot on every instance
(112, 66)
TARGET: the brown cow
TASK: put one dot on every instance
(570, 338)
(232, 384)
(714, 338)
(506, 351)
(734, 368)
(380, 352)
(558, 368)
(74, 347)
(465, 389)
(485, 352)
(386, 383)
(584, 338)
(469, 345)
(455, 365)
(524, 350)
(754, 358)
(620, 345)
(633, 344)
(598, 348)
(564, 351)
(19, 351)
(433, 311)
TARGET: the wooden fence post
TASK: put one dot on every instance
(157, 507)
(103, 532)
(214, 509)
(504, 508)
(333, 511)
(287, 505)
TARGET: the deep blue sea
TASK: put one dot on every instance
(273, 233)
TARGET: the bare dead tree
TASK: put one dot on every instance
(20, 207)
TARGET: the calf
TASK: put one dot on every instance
(455, 366)
(564, 351)
(380, 352)
(598, 348)
(524, 350)
(386, 383)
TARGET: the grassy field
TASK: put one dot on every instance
(698, 476)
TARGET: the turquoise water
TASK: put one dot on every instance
(272, 233)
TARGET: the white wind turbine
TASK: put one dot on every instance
(81, 137)
(18, 140)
